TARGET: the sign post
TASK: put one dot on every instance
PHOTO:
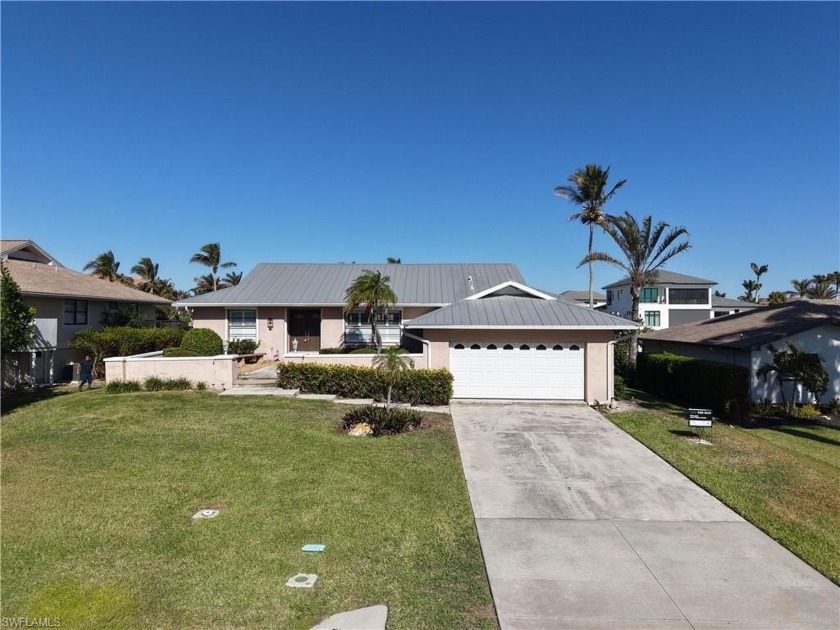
(700, 418)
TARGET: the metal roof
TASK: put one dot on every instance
(665, 277)
(508, 311)
(583, 295)
(725, 302)
(311, 284)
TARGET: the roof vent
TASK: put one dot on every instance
(470, 283)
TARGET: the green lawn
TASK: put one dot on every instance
(98, 491)
(785, 478)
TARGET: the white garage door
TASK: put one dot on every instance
(517, 370)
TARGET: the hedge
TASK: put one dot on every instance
(125, 340)
(722, 387)
(417, 387)
(202, 341)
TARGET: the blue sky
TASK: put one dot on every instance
(434, 132)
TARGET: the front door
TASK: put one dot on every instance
(305, 329)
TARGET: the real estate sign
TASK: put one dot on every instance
(700, 417)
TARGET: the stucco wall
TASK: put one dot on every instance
(214, 318)
(598, 368)
(332, 327)
(824, 341)
(219, 372)
(364, 360)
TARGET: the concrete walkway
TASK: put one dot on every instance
(583, 527)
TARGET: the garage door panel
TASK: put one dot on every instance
(525, 370)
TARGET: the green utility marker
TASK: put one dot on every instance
(313, 547)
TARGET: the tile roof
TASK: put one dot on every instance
(665, 277)
(509, 311)
(310, 284)
(37, 279)
(756, 327)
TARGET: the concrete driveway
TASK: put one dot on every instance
(583, 527)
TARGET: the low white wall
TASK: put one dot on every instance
(219, 372)
(364, 360)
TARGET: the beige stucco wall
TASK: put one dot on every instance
(219, 372)
(364, 360)
(332, 327)
(214, 318)
(598, 368)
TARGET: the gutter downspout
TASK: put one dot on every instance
(426, 342)
(611, 373)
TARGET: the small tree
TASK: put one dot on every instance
(392, 363)
(776, 297)
(371, 292)
(18, 319)
(794, 365)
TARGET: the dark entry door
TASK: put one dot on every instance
(305, 328)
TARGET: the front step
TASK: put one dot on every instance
(256, 382)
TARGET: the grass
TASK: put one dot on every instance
(98, 490)
(783, 478)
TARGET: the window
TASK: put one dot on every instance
(360, 318)
(650, 295)
(242, 325)
(609, 297)
(75, 312)
(688, 296)
(524, 346)
(540, 347)
(652, 319)
(508, 347)
(492, 346)
(475, 346)
(557, 348)
(459, 346)
(574, 348)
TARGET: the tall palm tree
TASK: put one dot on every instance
(231, 279)
(834, 276)
(758, 270)
(371, 291)
(751, 288)
(147, 271)
(165, 288)
(105, 266)
(646, 248)
(392, 363)
(588, 190)
(210, 255)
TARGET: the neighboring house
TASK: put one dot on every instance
(675, 299)
(743, 339)
(498, 337)
(582, 297)
(65, 302)
(722, 306)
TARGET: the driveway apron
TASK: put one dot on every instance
(583, 527)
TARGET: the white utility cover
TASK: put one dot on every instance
(525, 370)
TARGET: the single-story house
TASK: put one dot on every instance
(499, 337)
(742, 339)
(582, 297)
(65, 302)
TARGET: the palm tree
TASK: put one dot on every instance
(800, 287)
(210, 255)
(394, 261)
(392, 363)
(751, 288)
(147, 271)
(588, 190)
(165, 288)
(371, 291)
(758, 270)
(646, 248)
(203, 284)
(105, 266)
(834, 276)
(820, 288)
(231, 279)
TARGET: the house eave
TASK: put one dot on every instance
(515, 327)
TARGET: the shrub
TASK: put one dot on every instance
(806, 411)
(202, 341)
(383, 421)
(418, 387)
(179, 352)
(155, 384)
(201, 386)
(242, 346)
(125, 341)
(349, 350)
(620, 388)
(122, 387)
(721, 387)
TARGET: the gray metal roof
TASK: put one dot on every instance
(725, 302)
(583, 295)
(508, 311)
(665, 277)
(310, 284)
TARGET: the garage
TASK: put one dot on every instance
(518, 370)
